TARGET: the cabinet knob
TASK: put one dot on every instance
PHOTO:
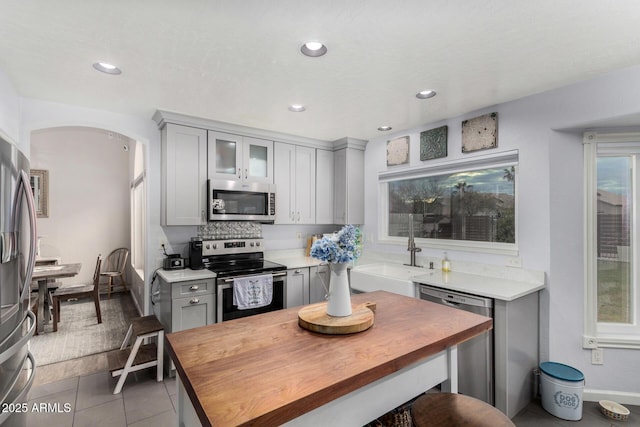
(194, 301)
(297, 272)
(194, 287)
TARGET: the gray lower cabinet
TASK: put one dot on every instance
(305, 285)
(318, 279)
(191, 312)
(185, 305)
(297, 287)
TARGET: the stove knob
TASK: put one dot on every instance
(257, 243)
(208, 246)
(252, 244)
(215, 246)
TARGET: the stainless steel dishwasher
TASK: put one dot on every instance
(475, 357)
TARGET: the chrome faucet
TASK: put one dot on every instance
(412, 245)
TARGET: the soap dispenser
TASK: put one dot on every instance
(446, 264)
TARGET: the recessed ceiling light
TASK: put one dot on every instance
(424, 94)
(313, 49)
(105, 67)
(296, 108)
(384, 128)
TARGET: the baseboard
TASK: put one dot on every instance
(622, 397)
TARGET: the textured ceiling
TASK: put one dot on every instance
(238, 61)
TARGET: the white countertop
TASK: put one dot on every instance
(292, 258)
(185, 274)
(486, 286)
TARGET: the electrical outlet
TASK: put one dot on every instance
(597, 356)
(299, 235)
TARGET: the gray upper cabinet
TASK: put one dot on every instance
(324, 186)
(348, 186)
(295, 179)
(314, 184)
(184, 175)
(240, 158)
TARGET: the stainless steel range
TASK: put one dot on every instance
(238, 259)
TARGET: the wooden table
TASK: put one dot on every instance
(265, 370)
(43, 274)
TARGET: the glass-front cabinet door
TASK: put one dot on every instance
(238, 158)
(225, 156)
(257, 160)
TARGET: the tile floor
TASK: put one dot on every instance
(146, 402)
(90, 401)
(535, 415)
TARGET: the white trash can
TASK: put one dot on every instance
(561, 389)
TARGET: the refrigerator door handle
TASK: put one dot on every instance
(25, 182)
(23, 393)
(9, 352)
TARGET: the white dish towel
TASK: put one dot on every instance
(253, 291)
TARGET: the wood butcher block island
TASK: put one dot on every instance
(266, 370)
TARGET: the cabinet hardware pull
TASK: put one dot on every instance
(297, 272)
(246, 175)
(194, 301)
(239, 174)
(194, 287)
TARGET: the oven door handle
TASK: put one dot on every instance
(231, 279)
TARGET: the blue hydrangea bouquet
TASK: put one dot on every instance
(340, 247)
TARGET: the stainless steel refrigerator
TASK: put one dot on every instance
(17, 259)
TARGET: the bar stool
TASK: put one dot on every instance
(449, 409)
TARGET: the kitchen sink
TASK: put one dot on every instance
(389, 277)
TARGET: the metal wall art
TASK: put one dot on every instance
(480, 133)
(398, 151)
(433, 143)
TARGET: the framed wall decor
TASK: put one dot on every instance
(480, 133)
(40, 188)
(398, 151)
(433, 143)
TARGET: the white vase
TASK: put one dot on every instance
(339, 304)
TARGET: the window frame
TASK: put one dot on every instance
(493, 160)
(138, 197)
(607, 334)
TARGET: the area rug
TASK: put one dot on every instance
(79, 333)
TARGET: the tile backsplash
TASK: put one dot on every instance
(218, 230)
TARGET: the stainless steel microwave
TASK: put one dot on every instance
(237, 201)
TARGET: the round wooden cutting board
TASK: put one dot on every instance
(315, 318)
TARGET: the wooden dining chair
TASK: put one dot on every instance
(67, 292)
(114, 268)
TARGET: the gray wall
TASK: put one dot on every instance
(547, 130)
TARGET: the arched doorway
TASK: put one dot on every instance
(96, 198)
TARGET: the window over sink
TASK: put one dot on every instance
(470, 203)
